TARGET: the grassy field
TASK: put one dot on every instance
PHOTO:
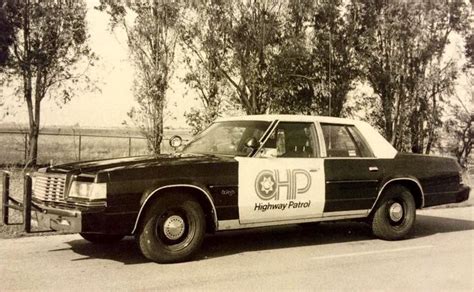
(55, 148)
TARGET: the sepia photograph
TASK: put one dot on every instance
(242, 145)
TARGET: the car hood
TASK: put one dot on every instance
(106, 165)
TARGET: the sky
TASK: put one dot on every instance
(114, 72)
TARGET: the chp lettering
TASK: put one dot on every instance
(271, 184)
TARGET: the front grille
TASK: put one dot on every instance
(49, 187)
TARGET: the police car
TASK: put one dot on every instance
(246, 172)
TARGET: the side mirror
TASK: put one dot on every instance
(176, 141)
(252, 143)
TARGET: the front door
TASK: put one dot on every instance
(285, 179)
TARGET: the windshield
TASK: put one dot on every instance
(227, 138)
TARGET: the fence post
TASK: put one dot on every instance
(27, 203)
(129, 146)
(6, 196)
(80, 142)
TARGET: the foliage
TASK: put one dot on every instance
(332, 56)
(152, 39)
(400, 49)
(235, 48)
(469, 50)
(277, 56)
(43, 44)
(461, 130)
(204, 39)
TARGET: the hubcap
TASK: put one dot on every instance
(396, 212)
(173, 228)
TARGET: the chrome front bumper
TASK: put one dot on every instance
(57, 219)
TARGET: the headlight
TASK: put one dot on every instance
(88, 190)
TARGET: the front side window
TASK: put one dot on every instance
(291, 140)
(227, 138)
(344, 141)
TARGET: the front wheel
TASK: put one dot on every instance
(395, 214)
(173, 229)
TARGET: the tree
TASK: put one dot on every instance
(254, 35)
(43, 44)
(152, 40)
(205, 47)
(401, 48)
(461, 130)
(315, 66)
(249, 32)
(333, 56)
(292, 74)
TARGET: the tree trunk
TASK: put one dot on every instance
(387, 110)
(158, 127)
(33, 107)
(33, 146)
(159, 131)
(431, 131)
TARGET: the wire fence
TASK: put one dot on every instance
(55, 148)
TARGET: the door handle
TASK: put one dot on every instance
(373, 168)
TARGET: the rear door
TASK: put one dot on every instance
(352, 173)
(285, 179)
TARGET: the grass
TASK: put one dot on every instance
(62, 149)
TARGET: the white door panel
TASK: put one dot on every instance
(273, 189)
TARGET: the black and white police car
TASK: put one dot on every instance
(246, 172)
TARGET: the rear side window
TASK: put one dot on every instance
(344, 141)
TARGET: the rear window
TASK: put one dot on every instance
(344, 141)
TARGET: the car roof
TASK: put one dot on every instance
(291, 118)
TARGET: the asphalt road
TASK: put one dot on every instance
(439, 256)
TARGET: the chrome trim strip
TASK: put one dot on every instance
(177, 186)
(352, 157)
(328, 182)
(346, 213)
(235, 224)
(396, 179)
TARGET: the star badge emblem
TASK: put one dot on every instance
(267, 184)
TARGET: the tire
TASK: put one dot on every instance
(173, 229)
(395, 214)
(102, 238)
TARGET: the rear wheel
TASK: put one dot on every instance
(395, 214)
(173, 229)
(102, 238)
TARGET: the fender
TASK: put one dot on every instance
(411, 179)
(154, 192)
